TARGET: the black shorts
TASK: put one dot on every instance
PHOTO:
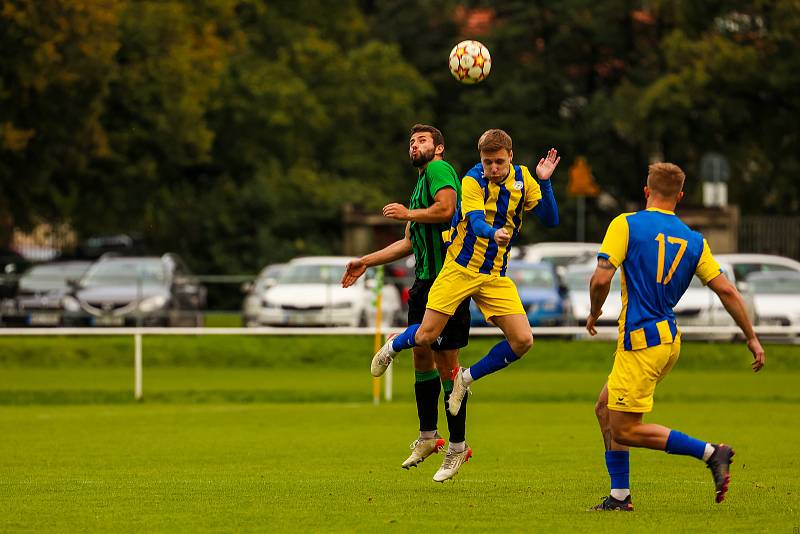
(456, 332)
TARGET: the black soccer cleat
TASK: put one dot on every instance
(719, 464)
(610, 504)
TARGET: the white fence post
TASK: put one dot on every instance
(137, 366)
(388, 380)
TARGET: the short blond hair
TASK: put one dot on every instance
(665, 179)
(493, 140)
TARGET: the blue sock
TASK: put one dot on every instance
(680, 443)
(406, 338)
(498, 358)
(618, 469)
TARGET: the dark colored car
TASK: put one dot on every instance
(12, 264)
(541, 291)
(136, 291)
(40, 293)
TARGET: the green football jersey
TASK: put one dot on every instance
(426, 239)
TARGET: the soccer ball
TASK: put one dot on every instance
(470, 62)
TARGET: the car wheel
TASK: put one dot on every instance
(363, 320)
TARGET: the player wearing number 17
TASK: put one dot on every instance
(658, 255)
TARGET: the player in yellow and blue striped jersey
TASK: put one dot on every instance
(494, 196)
(658, 255)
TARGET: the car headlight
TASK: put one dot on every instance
(269, 304)
(71, 304)
(152, 303)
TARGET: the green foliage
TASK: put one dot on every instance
(234, 131)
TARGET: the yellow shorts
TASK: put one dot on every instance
(635, 374)
(495, 295)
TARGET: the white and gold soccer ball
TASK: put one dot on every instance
(470, 62)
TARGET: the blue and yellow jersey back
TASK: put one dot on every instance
(502, 205)
(658, 255)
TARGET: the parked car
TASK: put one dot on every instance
(543, 295)
(560, 254)
(743, 265)
(777, 297)
(309, 293)
(700, 306)
(41, 291)
(131, 291)
(12, 264)
(255, 290)
(576, 278)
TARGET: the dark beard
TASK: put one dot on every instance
(422, 159)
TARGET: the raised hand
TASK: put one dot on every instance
(355, 268)
(546, 166)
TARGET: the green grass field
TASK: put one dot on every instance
(275, 434)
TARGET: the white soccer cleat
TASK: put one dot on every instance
(421, 449)
(452, 463)
(459, 392)
(382, 358)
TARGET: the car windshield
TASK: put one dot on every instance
(121, 272)
(578, 280)
(267, 277)
(774, 286)
(532, 278)
(53, 276)
(560, 261)
(311, 274)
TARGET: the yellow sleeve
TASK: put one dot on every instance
(471, 196)
(707, 267)
(615, 243)
(533, 194)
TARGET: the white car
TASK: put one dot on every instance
(745, 264)
(560, 254)
(309, 292)
(254, 292)
(777, 297)
(700, 306)
(576, 278)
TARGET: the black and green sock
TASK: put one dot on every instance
(426, 389)
(456, 424)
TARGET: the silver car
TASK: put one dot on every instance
(700, 306)
(136, 291)
(777, 297)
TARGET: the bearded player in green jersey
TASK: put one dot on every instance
(433, 203)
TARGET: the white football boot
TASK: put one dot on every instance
(452, 463)
(459, 392)
(421, 449)
(382, 358)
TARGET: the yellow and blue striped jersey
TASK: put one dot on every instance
(658, 255)
(502, 204)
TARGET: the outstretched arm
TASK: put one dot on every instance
(735, 306)
(399, 249)
(599, 286)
